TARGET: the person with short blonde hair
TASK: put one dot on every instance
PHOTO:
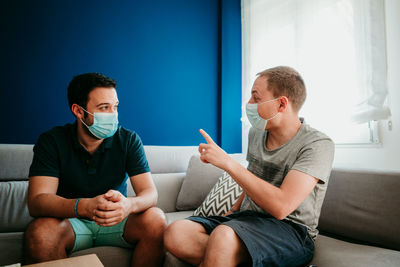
(274, 221)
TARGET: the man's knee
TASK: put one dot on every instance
(172, 235)
(45, 234)
(180, 232)
(224, 234)
(155, 222)
(152, 224)
(236, 250)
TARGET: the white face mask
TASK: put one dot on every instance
(255, 118)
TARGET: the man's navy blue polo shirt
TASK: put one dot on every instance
(59, 154)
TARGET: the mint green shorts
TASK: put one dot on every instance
(88, 234)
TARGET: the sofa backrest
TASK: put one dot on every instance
(15, 161)
(364, 206)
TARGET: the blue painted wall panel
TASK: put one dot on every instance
(163, 54)
(231, 76)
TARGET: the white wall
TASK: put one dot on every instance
(387, 155)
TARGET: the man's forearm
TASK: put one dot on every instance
(267, 196)
(143, 201)
(51, 205)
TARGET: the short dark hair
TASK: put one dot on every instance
(81, 85)
(286, 81)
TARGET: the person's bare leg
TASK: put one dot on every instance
(48, 239)
(146, 231)
(186, 240)
(225, 248)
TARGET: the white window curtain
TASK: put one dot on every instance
(338, 46)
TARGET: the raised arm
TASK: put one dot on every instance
(277, 201)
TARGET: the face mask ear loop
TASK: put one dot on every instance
(86, 111)
(267, 101)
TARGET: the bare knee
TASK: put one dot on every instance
(223, 234)
(180, 235)
(236, 251)
(155, 223)
(149, 225)
(44, 235)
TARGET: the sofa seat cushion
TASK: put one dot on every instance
(331, 252)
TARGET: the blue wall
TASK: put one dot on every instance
(167, 57)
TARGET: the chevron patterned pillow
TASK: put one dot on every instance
(221, 197)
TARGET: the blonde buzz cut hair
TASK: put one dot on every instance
(286, 81)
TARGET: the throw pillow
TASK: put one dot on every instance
(221, 197)
(199, 180)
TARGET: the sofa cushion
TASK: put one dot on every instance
(363, 205)
(15, 161)
(168, 186)
(13, 205)
(199, 180)
(330, 252)
(179, 215)
(221, 198)
(169, 159)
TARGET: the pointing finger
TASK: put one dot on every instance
(206, 136)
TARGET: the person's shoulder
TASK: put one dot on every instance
(128, 136)
(311, 135)
(57, 132)
(126, 133)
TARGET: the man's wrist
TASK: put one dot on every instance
(80, 209)
(76, 207)
(132, 205)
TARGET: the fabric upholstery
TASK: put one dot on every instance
(363, 206)
(15, 161)
(330, 252)
(172, 261)
(168, 185)
(11, 247)
(200, 178)
(221, 198)
(13, 206)
(169, 159)
(179, 215)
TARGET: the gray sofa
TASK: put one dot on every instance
(359, 223)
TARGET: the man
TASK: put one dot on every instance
(274, 221)
(77, 183)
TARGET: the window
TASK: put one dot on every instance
(338, 46)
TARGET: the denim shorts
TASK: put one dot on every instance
(88, 234)
(270, 242)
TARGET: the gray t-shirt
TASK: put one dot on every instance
(309, 151)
